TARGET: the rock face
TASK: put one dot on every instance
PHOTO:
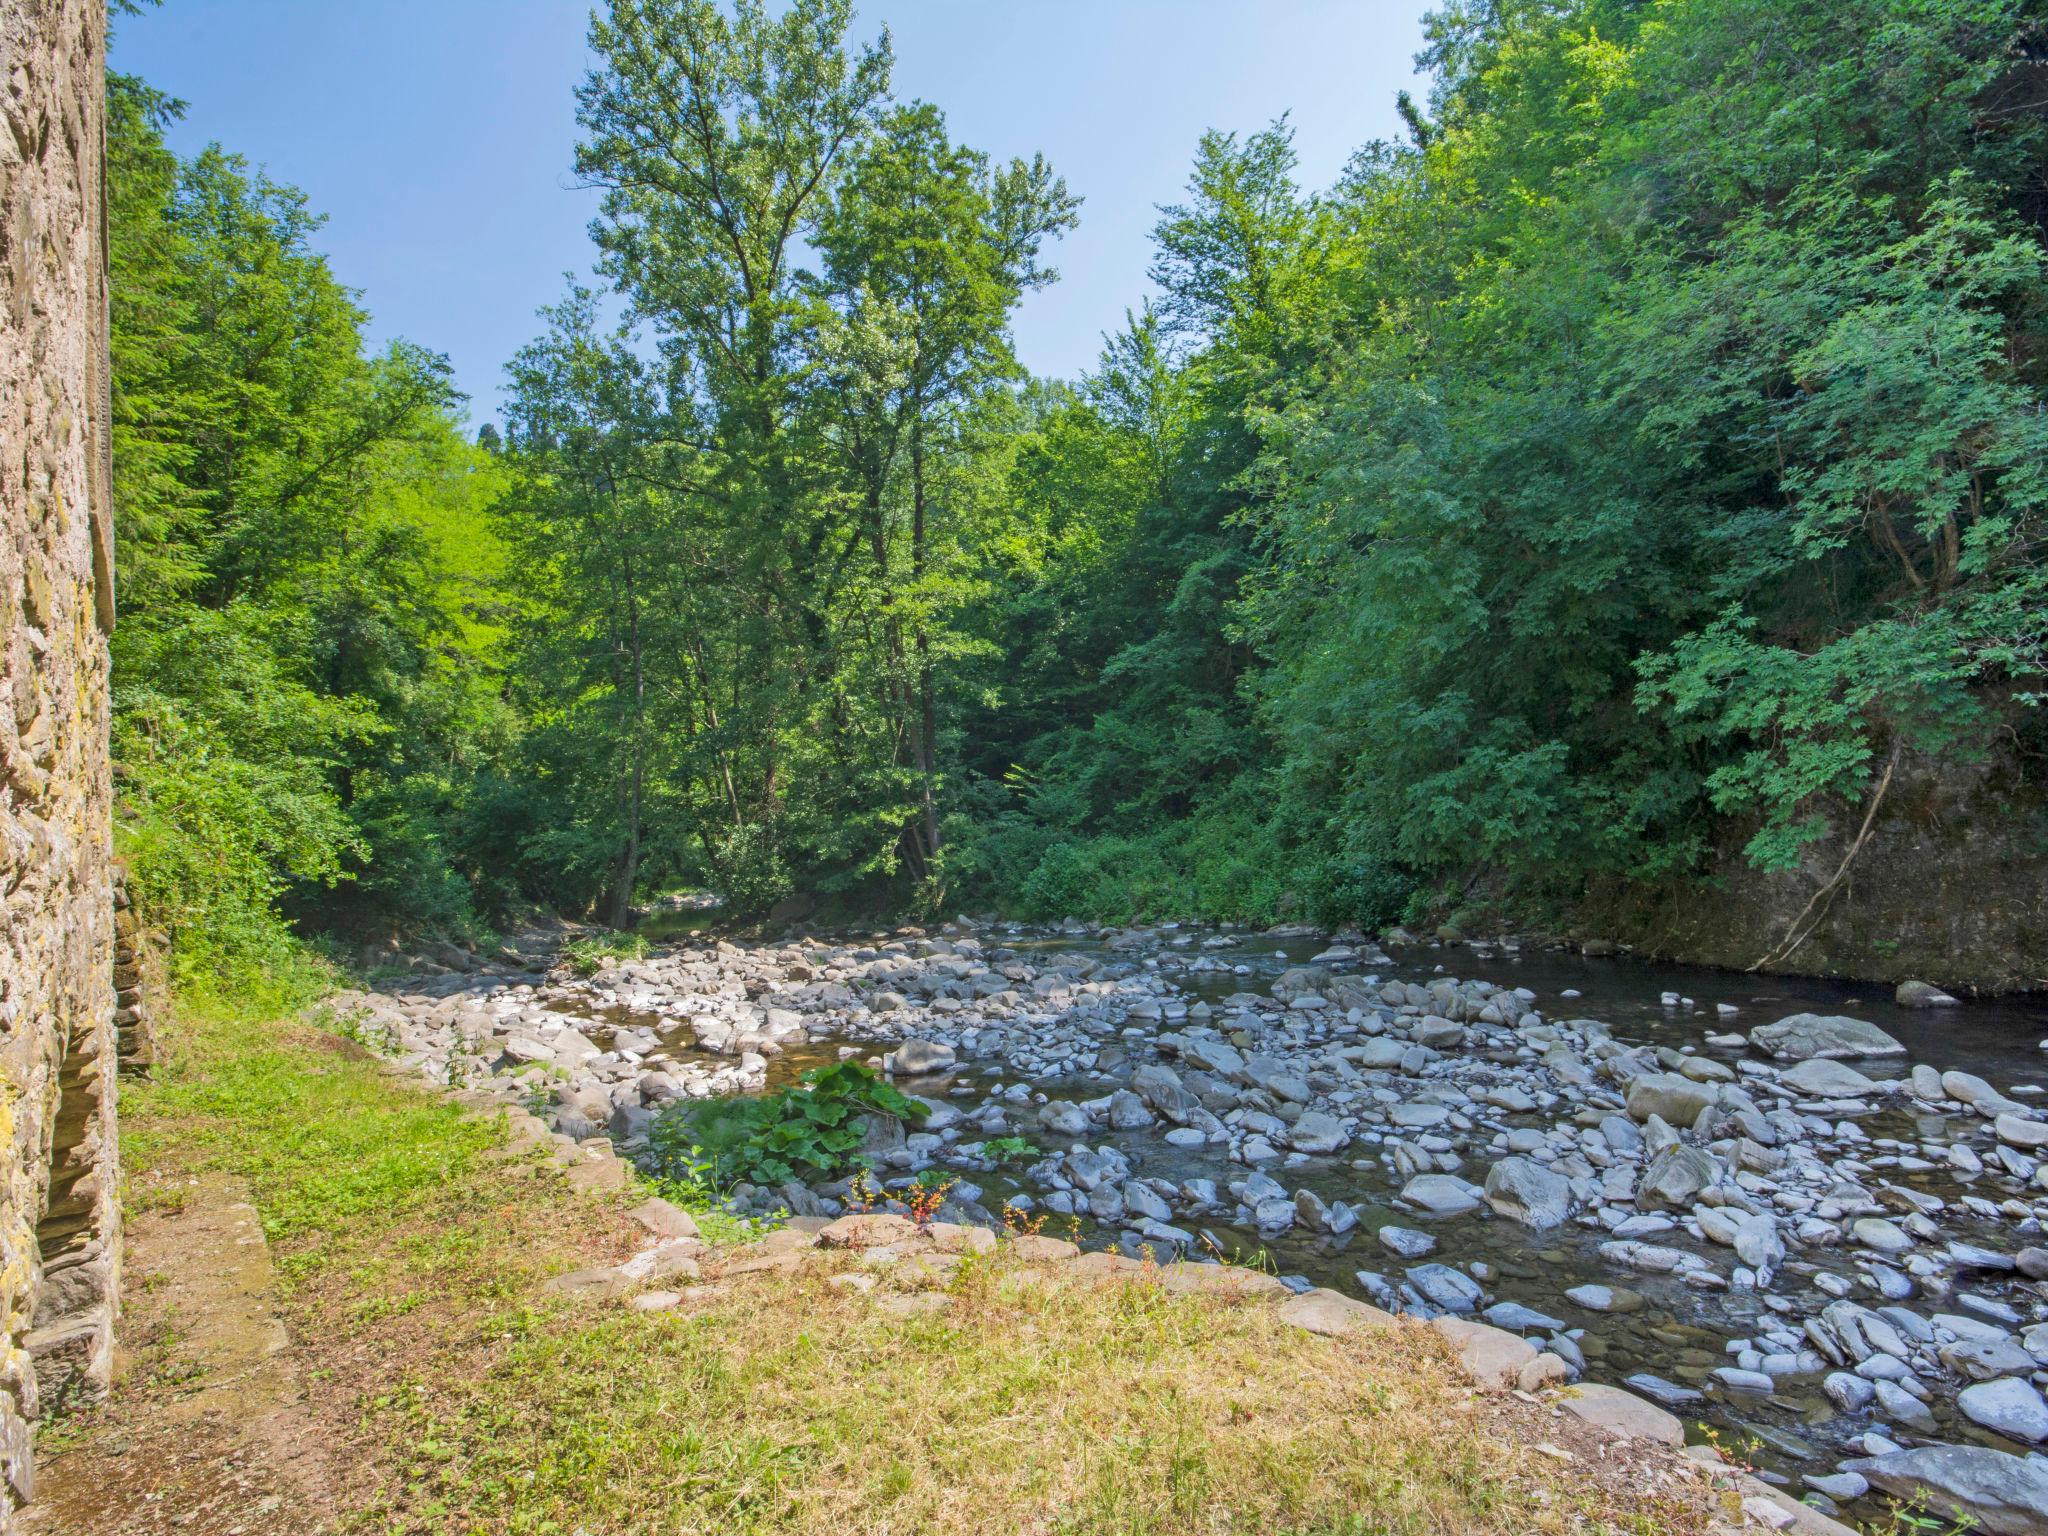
(1934, 907)
(59, 1234)
(1826, 1036)
(2003, 1495)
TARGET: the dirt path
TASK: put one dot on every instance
(208, 1433)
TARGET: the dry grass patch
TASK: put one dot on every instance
(1029, 1404)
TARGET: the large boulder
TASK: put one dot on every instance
(1528, 1192)
(1830, 1036)
(1676, 1100)
(1999, 1494)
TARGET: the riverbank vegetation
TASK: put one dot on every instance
(1637, 459)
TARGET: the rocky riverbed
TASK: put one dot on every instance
(1816, 1235)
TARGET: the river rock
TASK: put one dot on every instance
(1902, 1407)
(1620, 1133)
(1975, 1092)
(1441, 1194)
(1623, 1414)
(1605, 1298)
(1671, 1098)
(1405, 1242)
(1160, 1088)
(1127, 1112)
(2008, 1406)
(1528, 1192)
(1318, 1132)
(1063, 1118)
(1921, 994)
(1805, 1036)
(1217, 1056)
(1492, 1357)
(1668, 1393)
(1986, 1359)
(916, 1058)
(1517, 1318)
(1848, 1391)
(1879, 1235)
(2020, 1131)
(1442, 1286)
(1331, 1312)
(2000, 1494)
(1825, 1078)
(1674, 1176)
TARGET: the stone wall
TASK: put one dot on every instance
(59, 1228)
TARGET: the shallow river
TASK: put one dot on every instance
(1681, 1332)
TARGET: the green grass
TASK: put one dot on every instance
(323, 1137)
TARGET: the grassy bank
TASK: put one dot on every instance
(462, 1397)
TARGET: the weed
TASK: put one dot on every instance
(928, 1195)
(1008, 1149)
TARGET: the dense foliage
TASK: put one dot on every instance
(1634, 461)
(302, 662)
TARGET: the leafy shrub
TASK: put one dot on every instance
(587, 956)
(810, 1131)
(1364, 889)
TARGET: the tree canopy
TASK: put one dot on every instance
(1633, 462)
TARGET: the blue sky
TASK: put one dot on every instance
(436, 134)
